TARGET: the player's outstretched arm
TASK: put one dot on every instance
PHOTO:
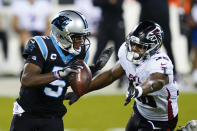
(154, 82)
(106, 78)
(99, 81)
(32, 76)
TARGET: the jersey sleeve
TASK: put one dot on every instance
(122, 56)
(32, 53)
(122, 51)
(161, 64)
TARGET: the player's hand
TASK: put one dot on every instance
(61, 74)
(132, 92)
(72, 97)
(66, 71)
(104, 57)
(102, 60)
(75, 64)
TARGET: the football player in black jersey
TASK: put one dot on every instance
(39, 106)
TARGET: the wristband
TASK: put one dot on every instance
(56, 75)
(139, 89)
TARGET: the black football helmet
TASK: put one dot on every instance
(146, 35)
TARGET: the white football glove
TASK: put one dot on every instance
(60, 74)
(66, 71)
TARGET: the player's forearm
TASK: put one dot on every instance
(101, 81)
(154, 83)
(36, 80)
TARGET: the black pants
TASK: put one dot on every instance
(139, 123)
(28, 122)
(114, 31)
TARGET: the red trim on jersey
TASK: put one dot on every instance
(170, 111)
(163, 64)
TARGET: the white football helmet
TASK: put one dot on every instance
(147, 35)
(68, 24)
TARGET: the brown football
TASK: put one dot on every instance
(79, 82)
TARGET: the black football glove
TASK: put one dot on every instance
(72, 97)
(102, 60)
(132, 92)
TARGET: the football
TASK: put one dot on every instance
(79, 82)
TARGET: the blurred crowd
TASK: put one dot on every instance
(22, 19)
(106, 20)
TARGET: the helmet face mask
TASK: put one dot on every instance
(144, 41)
(66, 25)
(78, 42)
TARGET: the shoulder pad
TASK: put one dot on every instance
(42, 45)
(30, 46)
(36, 43)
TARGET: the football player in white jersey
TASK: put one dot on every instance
(151, 79)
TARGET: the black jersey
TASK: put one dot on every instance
(46, 100)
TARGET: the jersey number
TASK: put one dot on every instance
(57, 83)
(148, 100)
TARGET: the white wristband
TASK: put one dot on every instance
(139, 90)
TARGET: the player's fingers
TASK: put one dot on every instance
(68, 96)
(72, 70)
(77, 65)
(73, 100)
(108, 50)
(104, 57)
(127, 101)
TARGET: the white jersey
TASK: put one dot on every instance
(160, 105)
(32, 17)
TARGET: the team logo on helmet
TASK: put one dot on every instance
(61, 21)
(155, 35)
